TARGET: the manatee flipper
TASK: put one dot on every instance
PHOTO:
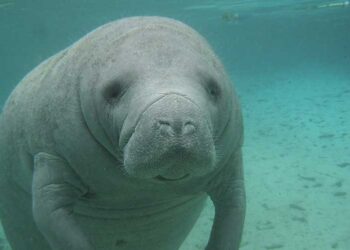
(228, 196)
(17, 219)
(55, 189)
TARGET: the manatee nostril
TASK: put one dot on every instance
(176, 127)
(162, 122)
(165, 128)
(188, 128)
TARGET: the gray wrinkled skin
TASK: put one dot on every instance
(116, 141)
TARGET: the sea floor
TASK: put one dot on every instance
(297, 163)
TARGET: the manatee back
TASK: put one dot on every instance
(23, 110)
(22, 125)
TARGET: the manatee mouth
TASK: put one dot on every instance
(162, 178)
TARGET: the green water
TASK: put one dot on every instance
(290, 65)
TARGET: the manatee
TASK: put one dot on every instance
(117, 141)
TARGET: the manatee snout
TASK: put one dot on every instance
(174, 117)
(172, 139)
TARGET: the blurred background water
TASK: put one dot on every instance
(290, 62)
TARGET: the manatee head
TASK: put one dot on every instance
(156, 96)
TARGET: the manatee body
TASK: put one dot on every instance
(116, 141)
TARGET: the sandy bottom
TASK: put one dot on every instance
(297, 164)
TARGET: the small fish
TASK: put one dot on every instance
(335, 4)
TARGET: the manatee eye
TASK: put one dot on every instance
(213, 89)
(113, 91)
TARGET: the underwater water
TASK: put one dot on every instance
(290, 63)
